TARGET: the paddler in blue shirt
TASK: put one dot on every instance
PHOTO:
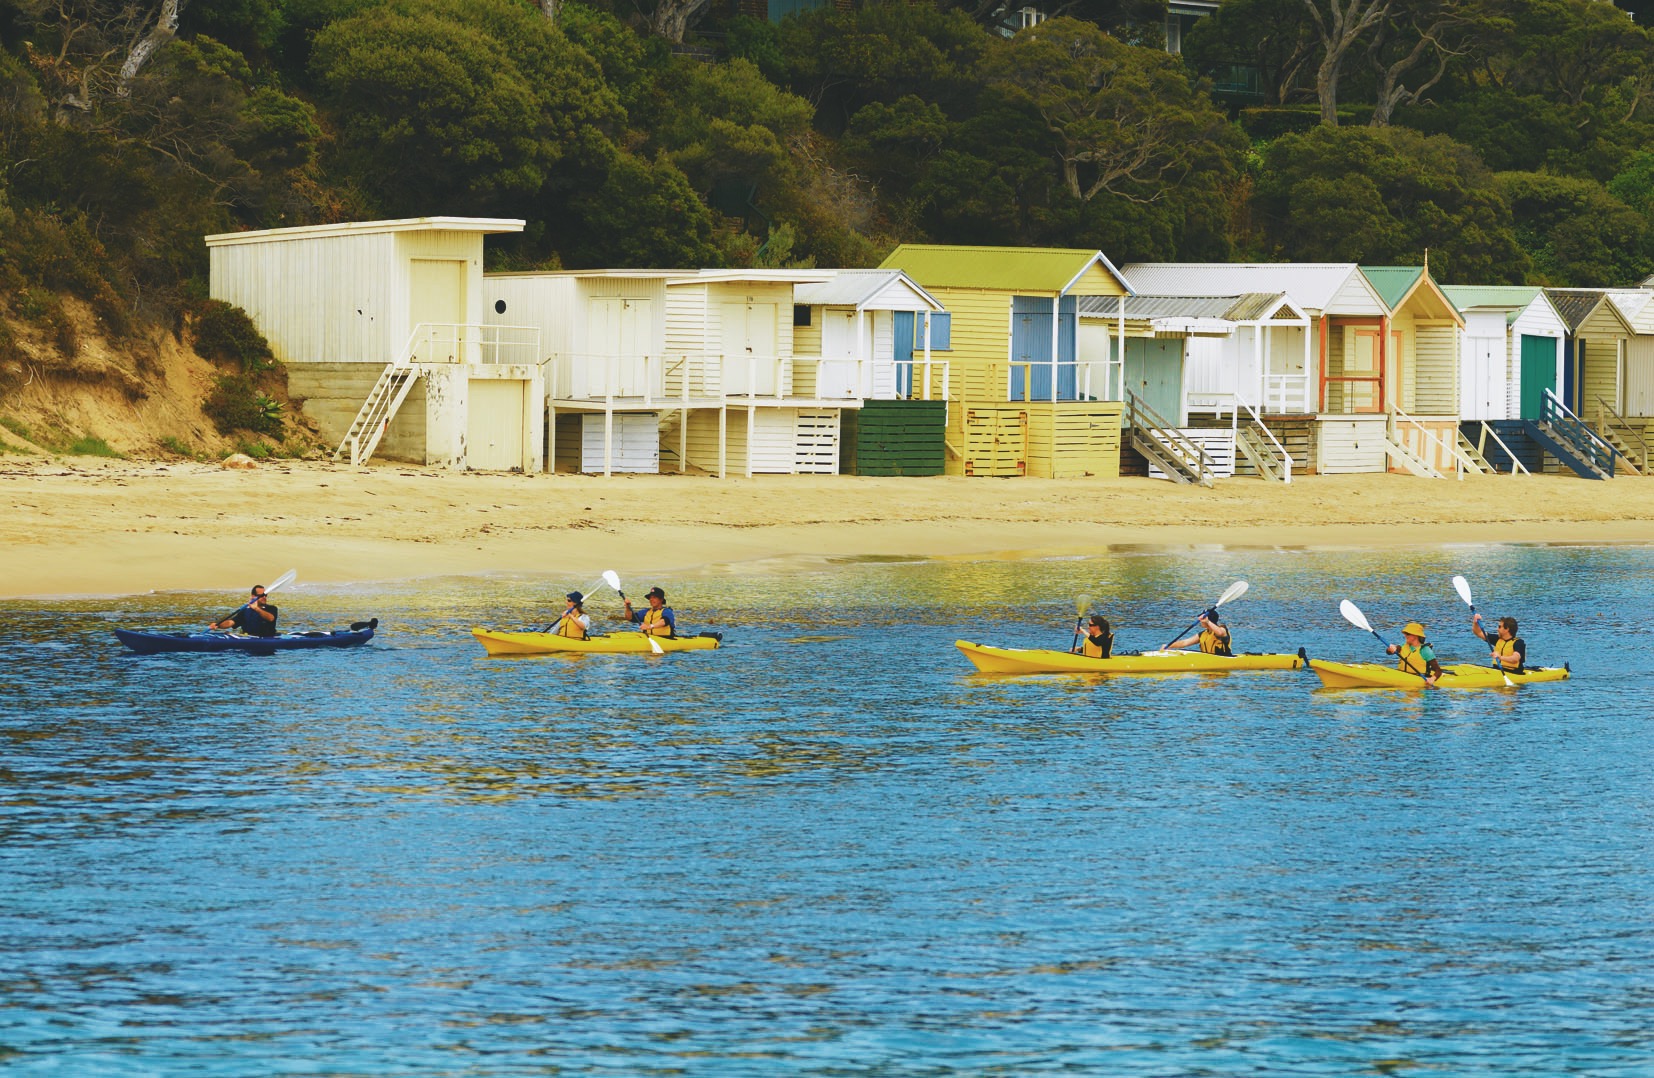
(1213, 637)
(658, 619)
(1416, 656)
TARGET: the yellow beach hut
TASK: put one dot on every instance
(1028, 393)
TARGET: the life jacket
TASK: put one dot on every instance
(1411, 660)
(1212, 644)
(1093, 651)
(570, 625)
(653, 618)
(1502, 648)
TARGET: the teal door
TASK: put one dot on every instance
(1538, 372)
(1154, 371)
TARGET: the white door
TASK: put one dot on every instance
(749, 348)
(436, 299)
(494, 424)
(621, 364)
(1482, 378)
(839, 375)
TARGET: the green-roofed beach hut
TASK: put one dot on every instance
(1030, 394)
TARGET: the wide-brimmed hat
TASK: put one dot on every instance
(1413, 628)
(655, 593)
(575, 597)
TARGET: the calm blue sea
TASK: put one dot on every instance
(830, 848)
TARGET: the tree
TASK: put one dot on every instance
(640, 213)
(1339, 25)
(1121, 119)
(1273, 37)
(1386, 195)
(1576, 232)
(459, 106)
(1424, 35)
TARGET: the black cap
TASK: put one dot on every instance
(575, 597)
(655, 593)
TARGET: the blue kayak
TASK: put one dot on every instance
(153, 641)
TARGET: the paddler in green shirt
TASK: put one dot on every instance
(1417, 657)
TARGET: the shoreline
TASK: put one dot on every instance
(92, 528)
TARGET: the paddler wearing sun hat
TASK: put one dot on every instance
(1417, 656)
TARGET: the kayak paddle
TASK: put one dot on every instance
(285, 578)
(1234, 591)
(1462, 586)
(1354, 616)
(1082, 607)
(610, 577)
(613, 581)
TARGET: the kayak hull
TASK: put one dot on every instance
(991, 660)
(1454, 676)
(155, 641)
(504, 642)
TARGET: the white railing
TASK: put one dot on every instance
(1091, 380)
(1424, 436)
(1257, 420)
(469, 342)
(1286, 393)
(1515, 464)
(922, 383)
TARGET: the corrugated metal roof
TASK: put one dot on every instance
(1500, 296)
(858, 287)
(1392, 283)
(1311, 285)
(1245, 308)
(369, 228)
(1630, 301)
(1034, 269)
(1574, 304)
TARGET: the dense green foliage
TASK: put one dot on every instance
(1512, 139)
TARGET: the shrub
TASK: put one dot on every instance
(256, 450)
(236, 404)
(90, 447)
(224, 331)
(176, 446)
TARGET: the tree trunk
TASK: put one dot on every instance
(1339, 28)
(166, 25)
(551, 9)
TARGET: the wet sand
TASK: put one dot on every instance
(101, 527)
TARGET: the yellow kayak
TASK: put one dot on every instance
(504, 642)
(992, 660)
(1454, 676)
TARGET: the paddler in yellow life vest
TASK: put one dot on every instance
(1510, 652)
(1098, 642)
(1414, 655)
(657, 619)
(1213, 637)
(575, 622)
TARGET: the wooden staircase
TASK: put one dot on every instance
(1165, 446)
(368, 428)
(1258, 444)
(1570, 441)
(1626, 438)
(1400, 454)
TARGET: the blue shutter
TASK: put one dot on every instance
(1031, 343)
(941, 332)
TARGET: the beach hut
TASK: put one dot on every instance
(682, 368)
(881, 340)
(1027, 395)
(1594, 366)
(1510, 352)
(1420, 371)
(379, 325)
(1211, 366)
(1330, 416)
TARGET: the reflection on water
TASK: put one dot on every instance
(831, 847)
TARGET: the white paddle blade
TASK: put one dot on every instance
(285, 578)
(1235, 591)
(1462, 586)
(611, 578)
(654, 646)
(1082, 606)
(1353, 615)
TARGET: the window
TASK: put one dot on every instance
(499, 306)
(801, 314)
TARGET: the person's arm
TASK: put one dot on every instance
(671, 620)
(1476, 627)
(267, 615)
(1187, 641)
(631, 617)
(1518, 656)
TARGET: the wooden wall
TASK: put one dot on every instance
(894, 438)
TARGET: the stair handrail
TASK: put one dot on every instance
(1459, 456)
(1487, 429)
(1257, 421)
(1553, 411)
(1623, 427)
(1194, 454)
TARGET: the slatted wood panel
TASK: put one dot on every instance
(1601, 374)
(1296, 433)
(333, 393)
(894, 438)
(1350, 444)
(1514, 433)
(1074, 439)
(1436, 369)
(1219, 446)
(816, 442)
(996, 440)
(1433, 452)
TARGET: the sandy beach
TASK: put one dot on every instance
(86, 526)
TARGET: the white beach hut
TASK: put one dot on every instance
(379, 324)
